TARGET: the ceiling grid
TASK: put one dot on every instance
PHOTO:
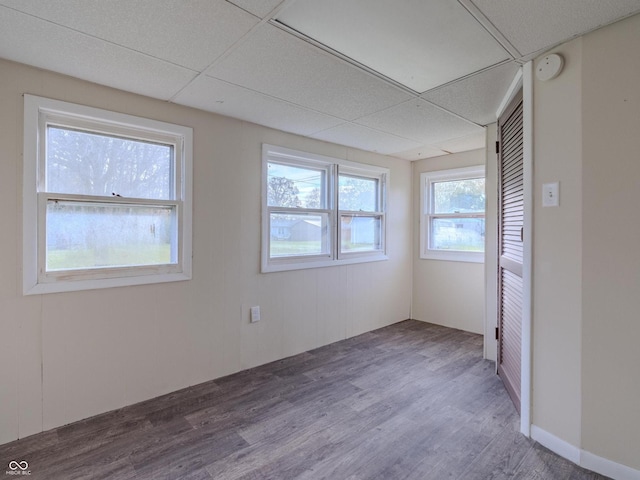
(411, 79)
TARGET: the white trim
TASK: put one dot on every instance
(583, 458)
(332, 167)
(555, 444)
(524, 79)
(490, 351)
(426, 179)
(38, 112)
(607, 467)
(527, 255)
(513, 89)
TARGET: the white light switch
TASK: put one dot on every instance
(255, 314)
(551, 194)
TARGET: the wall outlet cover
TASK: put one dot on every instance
(551, 194)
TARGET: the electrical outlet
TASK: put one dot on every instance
(255, 314)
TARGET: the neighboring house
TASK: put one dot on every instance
(305, 230)
(281, 229)
(295, 230)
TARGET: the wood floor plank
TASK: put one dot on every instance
(409, 401)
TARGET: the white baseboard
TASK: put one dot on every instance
(608, 468)
(555, 444)
(583, 458)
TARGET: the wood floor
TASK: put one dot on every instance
(409, 401)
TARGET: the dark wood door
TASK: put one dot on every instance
(510, 246)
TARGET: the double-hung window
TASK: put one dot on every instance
(452, 225)
(320, 211)
(107, 198)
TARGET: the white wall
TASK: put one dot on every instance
(444, 292)
(611, 238)
(72, 355)
(586, 300)
(557, 251)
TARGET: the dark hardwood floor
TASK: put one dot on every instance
(409, 401)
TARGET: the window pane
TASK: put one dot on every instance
(459, 196)
(86, 163)
(358, 194)
(360, 234)
(87, 235)
(460, 234)
(292, 187)
(298, 234)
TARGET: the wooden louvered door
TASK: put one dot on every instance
(510, 246)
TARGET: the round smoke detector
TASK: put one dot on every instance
(549, 67)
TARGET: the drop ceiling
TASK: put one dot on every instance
(409, 78)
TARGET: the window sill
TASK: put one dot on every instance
(468, 257)
(283, 266)
(74, 286)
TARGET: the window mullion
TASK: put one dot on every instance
(50, 196)
(296, 210)
(335, 203)
(360, 213)
(456, 215)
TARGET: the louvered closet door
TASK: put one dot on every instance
(510, 240)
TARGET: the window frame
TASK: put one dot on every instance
(358, 171)
(427, 179)
(39, 114)
(333, 168)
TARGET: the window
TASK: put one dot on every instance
(452, 221)
(107, 198)
(320, 211)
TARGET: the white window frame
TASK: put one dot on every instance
(427, 179)
(333, 167)
(40, 112)
(361, 171)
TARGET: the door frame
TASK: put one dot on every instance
(524, 80)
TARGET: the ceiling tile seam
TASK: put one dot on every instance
(466, 77)
(456, 139)
(490, 28)
(284, 4)
(277, 99)
(232, 48)
(530, 56)
(257, 17)
(376, 130)
(325, 49)
(274, 11)
(459, 117)
(445, 110)
(109, 42)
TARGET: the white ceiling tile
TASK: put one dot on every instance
(283, 66)
(416, 43)
(261, 8)
(533, 25)
(28, 40)
(191, 34)
(463, 144)
(220, 97)
(364, 138)
(477, 97)
(419, 121)
(419, 153)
